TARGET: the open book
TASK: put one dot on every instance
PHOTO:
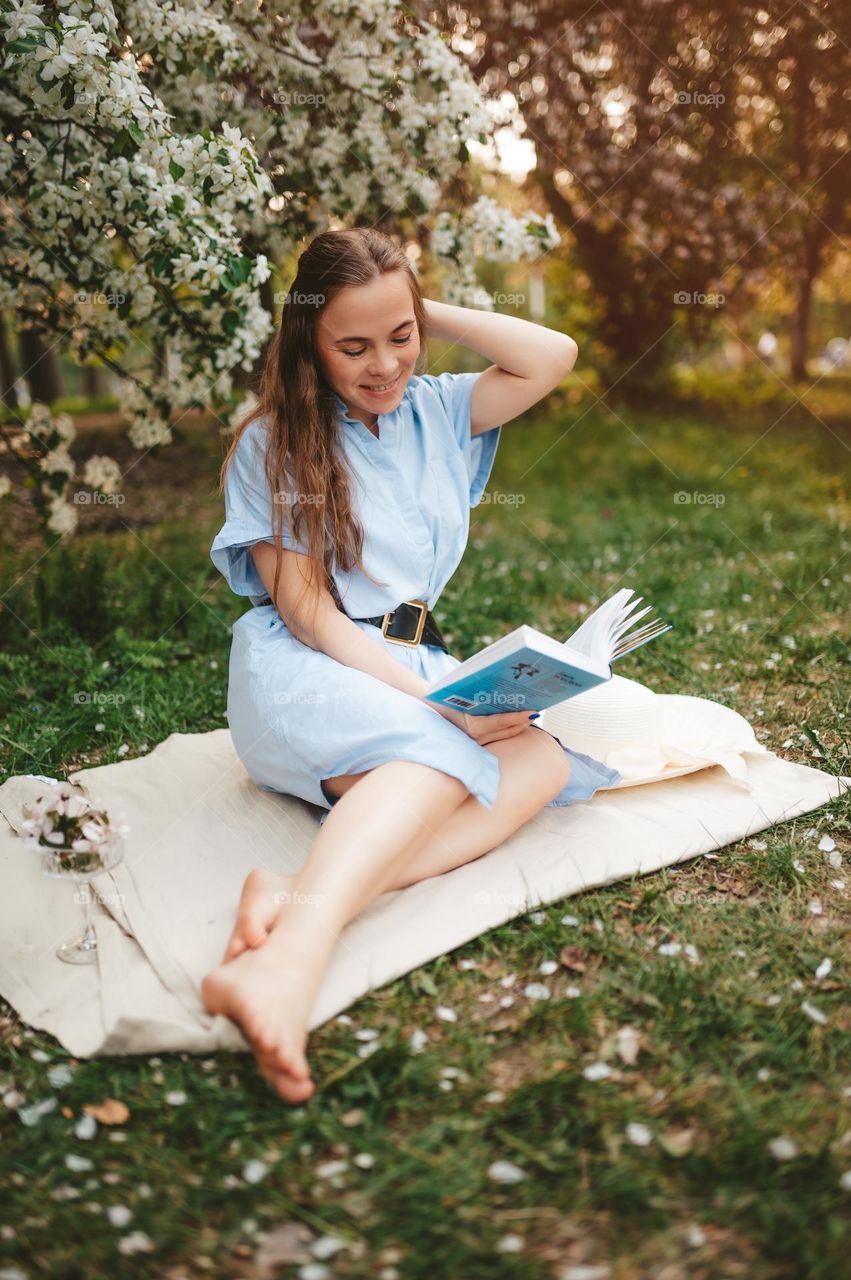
(528, 670)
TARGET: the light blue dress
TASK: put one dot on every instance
(298, 716)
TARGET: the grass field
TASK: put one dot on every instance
(724, 1148)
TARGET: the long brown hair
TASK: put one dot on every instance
(303, 419)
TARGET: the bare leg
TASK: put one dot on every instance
(269, 991)
(533, 769)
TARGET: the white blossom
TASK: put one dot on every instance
(102, 473)
(145, 174)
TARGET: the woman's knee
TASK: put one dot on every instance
(551, 765)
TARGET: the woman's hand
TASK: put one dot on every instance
(528, 360)
(485, 729)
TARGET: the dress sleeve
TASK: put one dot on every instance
(455, 391)
(248, 517)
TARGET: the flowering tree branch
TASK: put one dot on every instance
(145, 145)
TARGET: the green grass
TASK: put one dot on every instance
(582, 501)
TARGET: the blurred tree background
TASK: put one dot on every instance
(695, 159)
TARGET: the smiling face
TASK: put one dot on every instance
(369, 342)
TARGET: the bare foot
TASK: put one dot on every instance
(264, 992)
(258, 910)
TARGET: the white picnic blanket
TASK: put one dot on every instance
(199, 825)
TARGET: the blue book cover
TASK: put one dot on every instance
(528, 670)
(526, 679)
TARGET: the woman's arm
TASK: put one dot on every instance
(331, 632)
(528, 359)
(326, 628)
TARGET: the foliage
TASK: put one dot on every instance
(158, 160)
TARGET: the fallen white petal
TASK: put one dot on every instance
(505, 1172)
(135, 1242)
(119, 1215)
(510, 1244)
(812, 1012)
(31, 1115)
(327, 1246)
(670, 948)
(627, 1042)
(255, 1171)
(783, 1148)
(313, 1271)
(78, 1164)
(86, 1127)
(597, 1071)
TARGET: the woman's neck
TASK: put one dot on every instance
(369, 420)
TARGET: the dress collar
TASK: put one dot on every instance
(381, 418)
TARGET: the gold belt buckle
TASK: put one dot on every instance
(423, 608)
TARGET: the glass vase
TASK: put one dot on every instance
(80, 866)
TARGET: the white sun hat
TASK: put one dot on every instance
(649, 736)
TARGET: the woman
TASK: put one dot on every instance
(348, 492)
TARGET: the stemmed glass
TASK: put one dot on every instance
(75, 840)
(62, 864)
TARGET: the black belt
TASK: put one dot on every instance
(411, 623)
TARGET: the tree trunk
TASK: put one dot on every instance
(800, 332)
(8, 371)
(41, 367)
(91, 381)
(632, 321)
